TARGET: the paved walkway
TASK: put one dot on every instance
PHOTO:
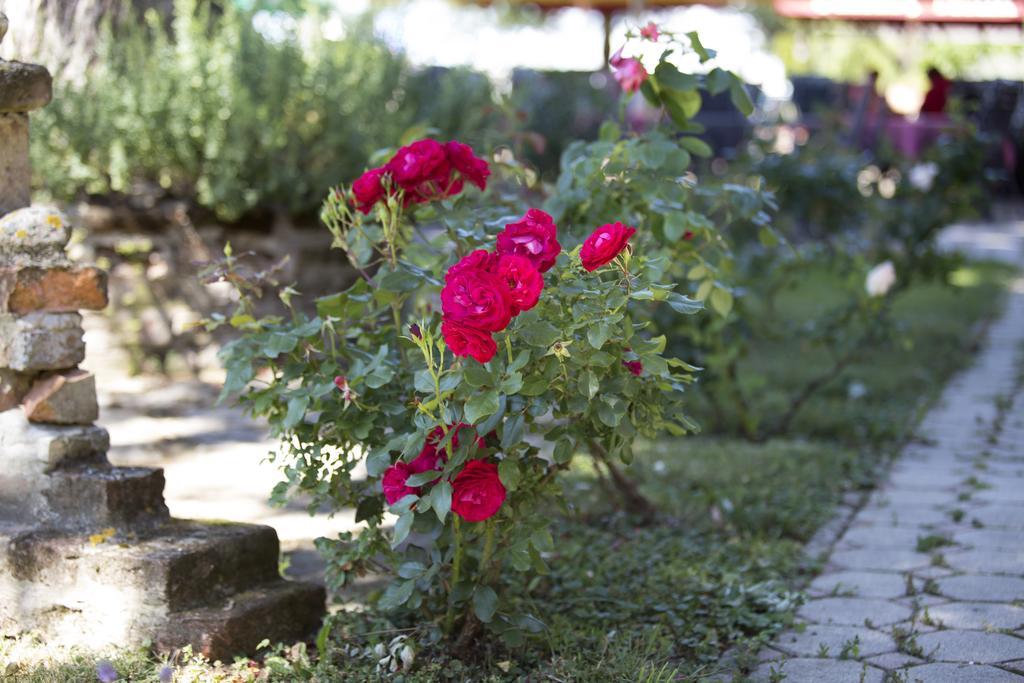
(926, 583)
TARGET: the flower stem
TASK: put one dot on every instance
(449, 619)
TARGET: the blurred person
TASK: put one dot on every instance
(938, 93)
(870, 114)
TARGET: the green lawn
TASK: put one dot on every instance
(722, 566)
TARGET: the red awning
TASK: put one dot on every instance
(910, 11)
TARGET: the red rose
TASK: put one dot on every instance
(464, 341)
(477, 491)
(604, 244)
(524, 281)
(475, 260)
(650, 32)
(422, 170)
(368, 189)
(533, 237)
(634, 366)
(477, 298)
(394, 483)
(433, 458)
(470, 166)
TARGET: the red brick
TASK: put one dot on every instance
(53, 290)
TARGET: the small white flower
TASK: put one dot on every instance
(922, 176)
(880, 279)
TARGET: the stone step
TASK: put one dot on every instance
(177, 566)
(280, 611)
(95, 495)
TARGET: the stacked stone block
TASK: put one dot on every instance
(89, 555)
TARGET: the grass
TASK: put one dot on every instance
(878, 396)
(719, 571)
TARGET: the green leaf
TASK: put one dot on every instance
(402, 527)
(481, 405)
(718, 81)
(649, 93)
(396, 595)
(721, 301)
(296, 411)
(684, 304)
(512, 431)
(400, 280)
(421, 478)
(369, 508)
(564, 450)
(485, 602)
(610, 411)
(534, 386)
(512, 384)
(702, 52)
(767, 237)
(669, 76)
(589, 384)
(740, 97)
(598, 334)
(542, 540)
(279, 343)
(520, 361)
(423, 382)
(696, 146)
(411, 570)
(441, 499)
(540, 333)
(609, 132)
(478, 375)
(508, 472)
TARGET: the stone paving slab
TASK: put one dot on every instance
(823, 670)
(926, 583)
(960, 673)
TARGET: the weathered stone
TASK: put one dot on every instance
(971, 646)
(41, 341)
(24, 87)
(34, 236)
(54, 290)
(816, 639)
(46, 446)
(66, 398)
(987, 561)
(98, 496)
(983, 588)
(958, 673)
(885, 559)
(13, 387)
(978, 615)
(804, 670)
(281, 611)
(893, 660)
(861, 584)
(213, 585)
(854, 612)
(15, 171)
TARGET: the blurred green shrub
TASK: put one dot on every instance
(212, 110)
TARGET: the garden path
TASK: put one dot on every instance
(926, 581)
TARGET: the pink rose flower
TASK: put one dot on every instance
(604, 244)
(465, 341)
(524, 281)
(628, 71)
(477, 298)
(650, 32)
(394, 483)
(533, 237)
(368, 189)
(469, 165)
(634, 366)
(477, 491)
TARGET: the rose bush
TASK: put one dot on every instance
(442, 395)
